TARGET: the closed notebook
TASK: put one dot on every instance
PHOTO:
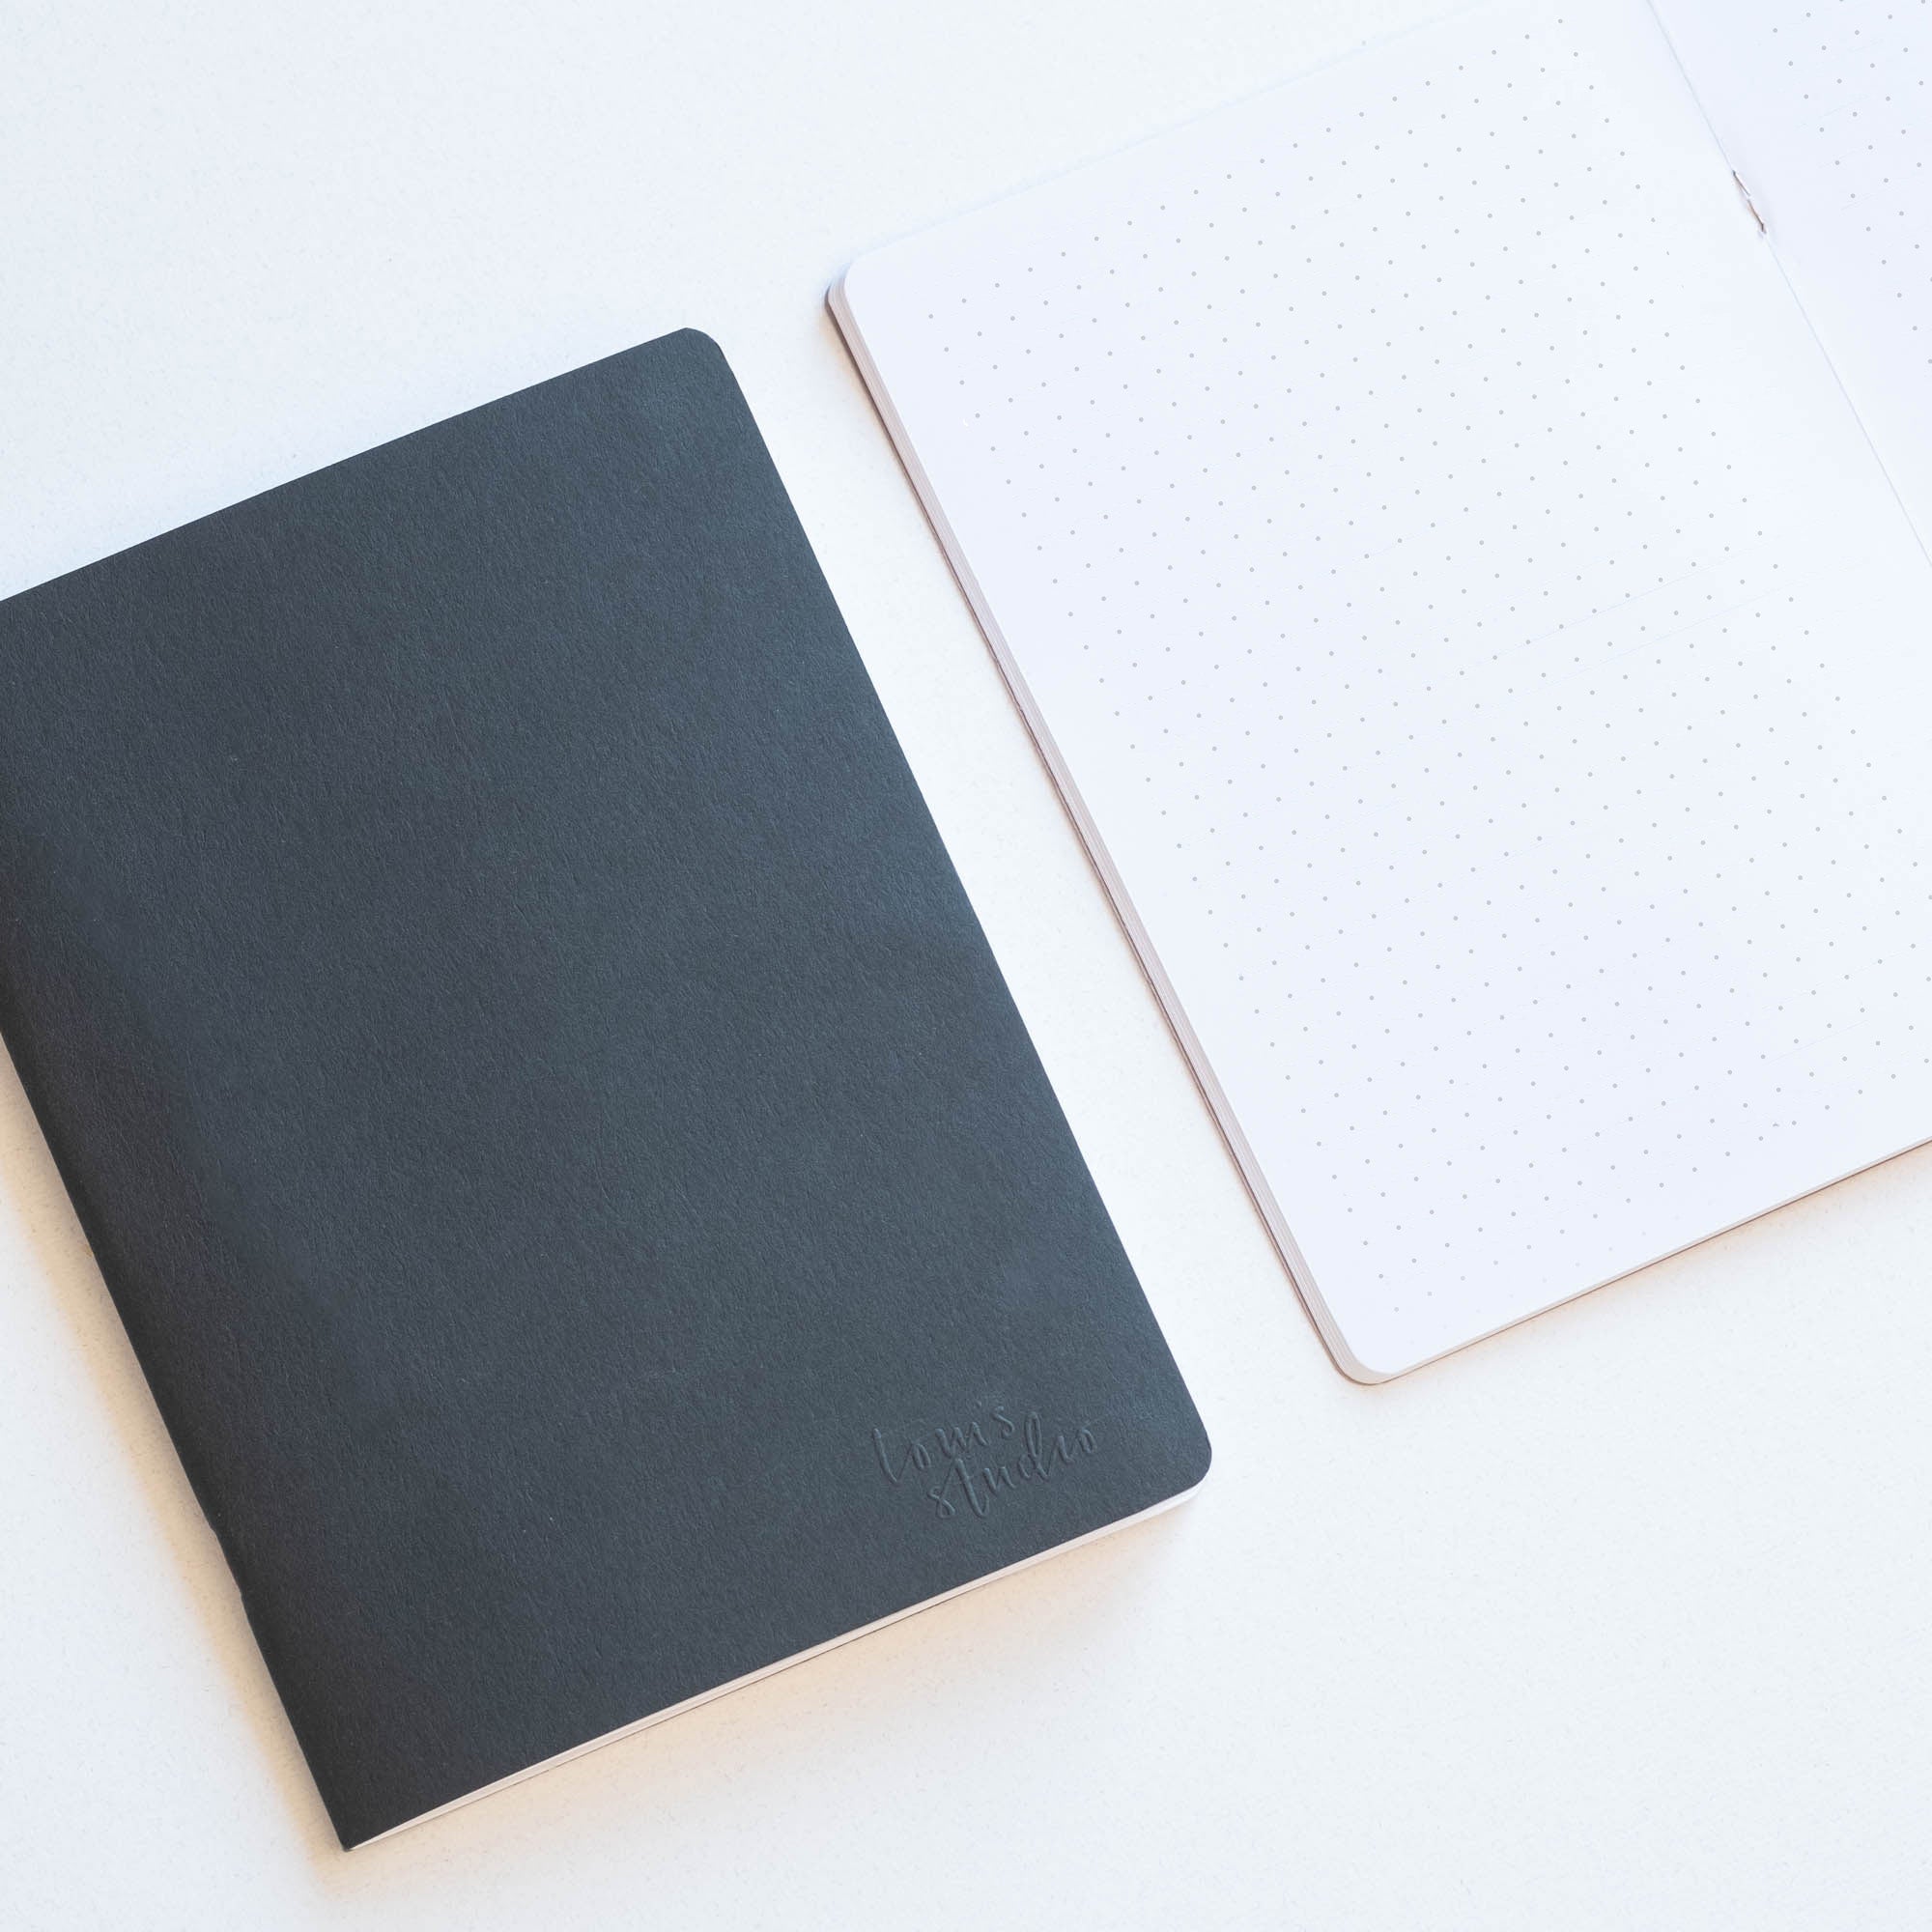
(586, 1204)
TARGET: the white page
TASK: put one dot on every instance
(1477, 641)
(1825, 112)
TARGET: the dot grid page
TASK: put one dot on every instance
(1477, 642)
(1825, 107)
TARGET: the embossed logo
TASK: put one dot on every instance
(981, 1461)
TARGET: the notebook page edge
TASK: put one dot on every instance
(839, 301)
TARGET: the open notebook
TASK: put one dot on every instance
(1468, 578)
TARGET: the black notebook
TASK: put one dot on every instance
(584, 1202)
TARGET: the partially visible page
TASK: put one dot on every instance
(1477, 641)
(1825, 107)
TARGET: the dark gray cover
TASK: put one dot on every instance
(590, 1213)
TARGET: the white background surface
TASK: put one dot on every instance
(1619, 1620)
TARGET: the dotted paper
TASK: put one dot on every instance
(1477, 641)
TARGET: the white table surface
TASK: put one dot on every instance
(1620, 1620)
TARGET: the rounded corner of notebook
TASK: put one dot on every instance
(698, 342)
(1201, 1471)
(1341, 1351)
(1357, 1371)
(839, 294)
(1199, 1467)
(851, 290)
